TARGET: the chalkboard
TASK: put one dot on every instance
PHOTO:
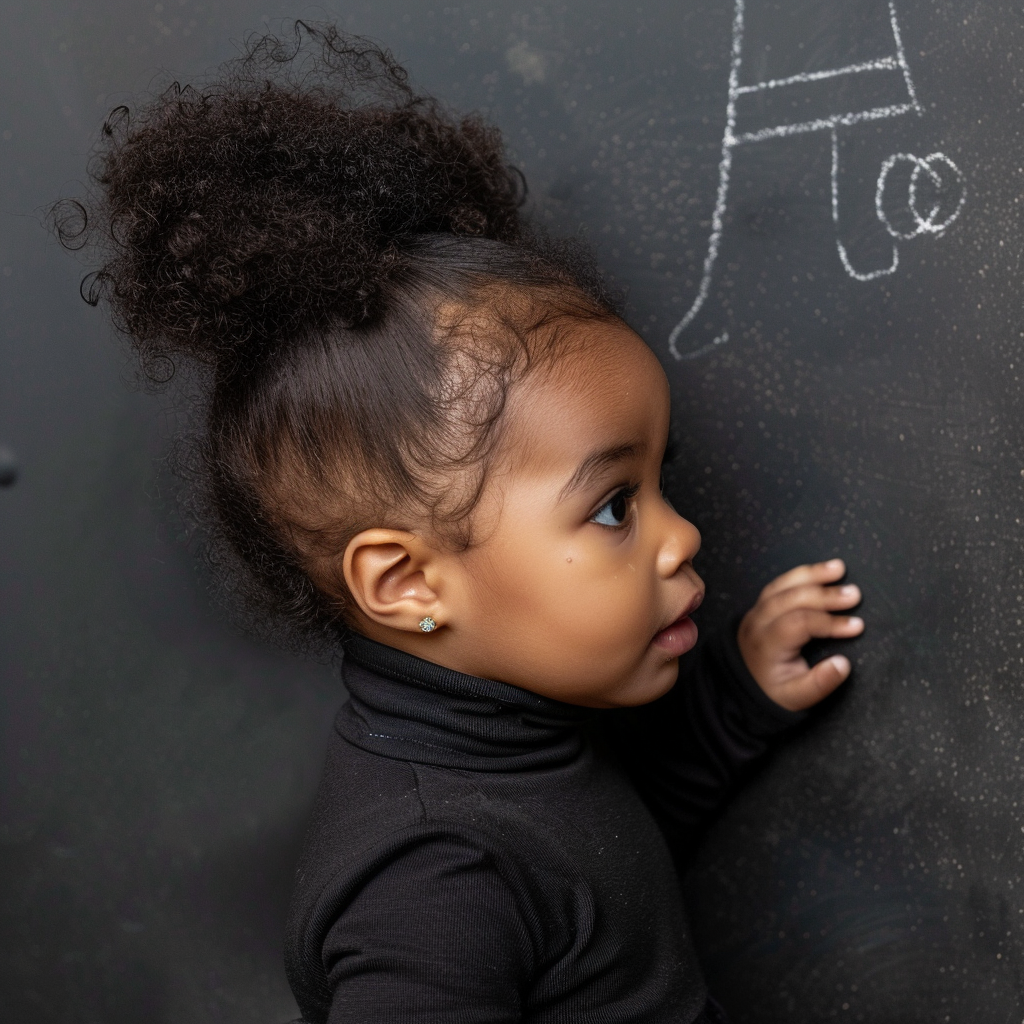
(814, 208)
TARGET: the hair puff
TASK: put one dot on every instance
(236, 215)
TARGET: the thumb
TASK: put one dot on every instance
(814, 685)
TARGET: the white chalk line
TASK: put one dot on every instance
(883, 64)
(844, 258)
(901, 56)
(720, 340)
(722, 198)
(730, 140)
(823, 123)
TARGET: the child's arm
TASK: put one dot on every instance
(425, 928)
(792, 610)
(740, 690)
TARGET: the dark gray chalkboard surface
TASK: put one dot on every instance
(814, 205)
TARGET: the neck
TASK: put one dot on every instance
(406, 707)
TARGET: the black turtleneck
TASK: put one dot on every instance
(482, 855)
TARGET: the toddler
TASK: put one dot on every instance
(431, 441)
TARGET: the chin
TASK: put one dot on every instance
(648, 687)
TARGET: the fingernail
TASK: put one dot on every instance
(855, 623)
(841, 663)
(835, 563)
(849, 590)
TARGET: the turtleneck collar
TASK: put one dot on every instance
(403, 707)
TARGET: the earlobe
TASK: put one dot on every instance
(392, 577)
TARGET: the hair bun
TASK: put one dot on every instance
(277, 196)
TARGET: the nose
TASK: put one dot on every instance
(679, 544)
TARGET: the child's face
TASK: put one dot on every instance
(580, 583)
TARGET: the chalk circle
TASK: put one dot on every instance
(943, 175)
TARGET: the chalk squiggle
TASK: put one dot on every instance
(929, 165)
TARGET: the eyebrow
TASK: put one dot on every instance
(597, 462)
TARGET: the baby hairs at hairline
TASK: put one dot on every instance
(344, 265)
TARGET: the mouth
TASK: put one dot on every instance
(680, 635)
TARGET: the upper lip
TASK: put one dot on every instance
(691, 607)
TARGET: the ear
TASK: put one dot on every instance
(394, 577)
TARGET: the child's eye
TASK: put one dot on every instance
(615, 510)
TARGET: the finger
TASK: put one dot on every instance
(796, 628)
(812, 596)
(814, 685)
(818, 572)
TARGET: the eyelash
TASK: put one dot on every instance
(628, 494)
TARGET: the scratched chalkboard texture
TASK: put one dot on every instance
(814, 206)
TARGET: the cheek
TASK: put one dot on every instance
(596, 599)
(561, 618)
(615, 609)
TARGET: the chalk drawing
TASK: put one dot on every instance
(936, 167)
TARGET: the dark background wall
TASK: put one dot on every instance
(157, 766)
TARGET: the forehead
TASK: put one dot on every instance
(605, 389)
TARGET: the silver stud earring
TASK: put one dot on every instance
(428, 625)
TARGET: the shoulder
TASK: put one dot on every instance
(399, 847)
(361, 798)
(379, 817)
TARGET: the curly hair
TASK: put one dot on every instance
(345, 264)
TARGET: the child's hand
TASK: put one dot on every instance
(792, 610)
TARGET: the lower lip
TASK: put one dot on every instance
(678, 638)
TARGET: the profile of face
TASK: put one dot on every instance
(579, 583)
